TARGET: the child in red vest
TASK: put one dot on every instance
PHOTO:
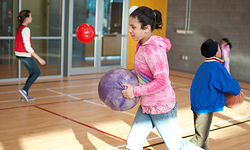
(24, 51)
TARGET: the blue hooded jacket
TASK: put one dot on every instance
(211, 81)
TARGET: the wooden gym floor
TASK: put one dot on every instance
(68, 115)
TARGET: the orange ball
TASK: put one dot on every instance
(85, 33)
(232, 101)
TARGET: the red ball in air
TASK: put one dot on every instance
(85, 33)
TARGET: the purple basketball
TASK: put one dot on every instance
(110, 89)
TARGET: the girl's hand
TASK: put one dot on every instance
(128, 93)
(38, 58)
(41, 61)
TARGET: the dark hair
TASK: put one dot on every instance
(205, 46)
(21, 17)
(228, 43)
(147, 16)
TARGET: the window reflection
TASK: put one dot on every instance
(8, 62)
(83, 54)
(46, 22)
(49, 50)
(84, 12)
(112, 16)
(112, 26)
(46, 17)
(8, 17)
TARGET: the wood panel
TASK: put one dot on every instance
(68, 115)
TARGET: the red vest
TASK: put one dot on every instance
(19, 44)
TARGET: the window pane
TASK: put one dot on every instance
(8, 11)
(8, 61)
(46, 17)
(82, 54)
(111, 51)
(49, 50)
(84, 12)
(112, 26)
(112, 16)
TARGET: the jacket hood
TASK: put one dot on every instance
(157, 40)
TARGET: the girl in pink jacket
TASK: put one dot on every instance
(225, 49)
(158, 106)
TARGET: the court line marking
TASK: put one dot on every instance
(247, 97)
(107, 107)
(60, 80)
(62, 94)
(75, 121)
(186, 131)
(193, 134)
(50, 88)
(36, 98)
(71, 87)
(70, 95)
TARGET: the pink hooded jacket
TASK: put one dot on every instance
(152, 70)
(225, 51)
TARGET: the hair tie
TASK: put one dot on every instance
(155, 14)
(132, 9)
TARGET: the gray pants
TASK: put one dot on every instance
(202, 123)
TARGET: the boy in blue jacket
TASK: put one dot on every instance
(207, 93)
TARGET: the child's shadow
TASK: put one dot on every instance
(91, 137)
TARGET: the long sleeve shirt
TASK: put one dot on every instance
(23, 42)
(211, 81)
(152, 70)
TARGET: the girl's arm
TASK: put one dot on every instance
(40, 60)
(27, 45)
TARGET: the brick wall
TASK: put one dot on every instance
(214, 19)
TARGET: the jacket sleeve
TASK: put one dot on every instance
(156, 60)
(26, 40)
(224, 82)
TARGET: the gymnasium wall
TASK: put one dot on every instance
(214, 19)
(161, 5)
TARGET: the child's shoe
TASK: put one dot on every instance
(29, 98)
(24, 95)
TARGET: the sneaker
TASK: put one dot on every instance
(29, 98)
(24, 95)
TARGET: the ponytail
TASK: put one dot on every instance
(21, 17)
(158, 19)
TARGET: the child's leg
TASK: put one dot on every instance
(227, 66)
(33, 70)
(140, 129)
(202, 123)
(167, 126)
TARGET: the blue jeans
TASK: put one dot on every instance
(33, 69)
(167, 126)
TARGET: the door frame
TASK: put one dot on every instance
(97, 68)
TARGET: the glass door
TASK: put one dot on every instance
(47, 30)
(81, 56)
(108, 49)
